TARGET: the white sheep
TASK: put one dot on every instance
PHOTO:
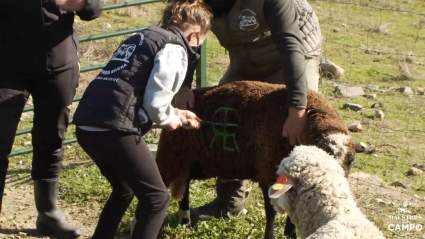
(317, 197)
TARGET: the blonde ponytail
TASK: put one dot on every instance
(186, 13)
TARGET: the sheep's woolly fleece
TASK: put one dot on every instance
(262, 112)
(320, 202)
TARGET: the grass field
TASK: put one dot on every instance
(393, 56)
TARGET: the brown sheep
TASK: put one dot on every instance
(187, 154)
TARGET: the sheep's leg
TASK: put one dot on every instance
(290, 229)
(184, 210)
(270, 214)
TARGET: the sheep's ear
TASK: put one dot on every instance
(277, 193)
(290, 183)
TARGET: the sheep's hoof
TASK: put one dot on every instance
(184, 217)
(185, 222)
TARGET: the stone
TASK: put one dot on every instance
(370, 96)
(23, 234)
(377, 105)
(413, 171)
(344, 25)
(409, 59)
(380, 201)
(379, 115)
(355, 127)
(373, 51)
(399, 184)
(406, 90)
(16, 225)
(349, 91)
(353, 107)
(359, 147)
(419, 90)
(333, 69)
(389, 89)
(381, 29)
(419, 166)
(372, 87)
(336, 30)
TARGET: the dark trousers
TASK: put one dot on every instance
(52, 94)
(125, 160)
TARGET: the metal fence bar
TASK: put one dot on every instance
(29, 150)
(26, 131)
(92, 68)
(129, 4)
(201, 68)
(111, 34)
(31, 108)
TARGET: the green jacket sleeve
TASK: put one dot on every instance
(282, 19)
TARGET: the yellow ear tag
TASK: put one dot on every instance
(278, 186)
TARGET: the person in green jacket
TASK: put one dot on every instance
(274, 41)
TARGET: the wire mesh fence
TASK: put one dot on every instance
(380, 45)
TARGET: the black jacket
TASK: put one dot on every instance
(113, 98)
(37, 36)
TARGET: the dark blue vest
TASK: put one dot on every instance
(113, 98)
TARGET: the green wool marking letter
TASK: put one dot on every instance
(225, 134)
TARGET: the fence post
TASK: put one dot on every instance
(201, 68)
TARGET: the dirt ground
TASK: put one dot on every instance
(19, 214)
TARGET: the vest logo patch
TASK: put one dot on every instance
(124, 53)
(142, 37)
(248, 20)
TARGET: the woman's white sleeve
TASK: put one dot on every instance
(166, 78)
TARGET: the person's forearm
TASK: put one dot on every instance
(165, 80)
(282, 19)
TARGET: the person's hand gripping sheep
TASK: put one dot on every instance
(185, 119)
(294, 126)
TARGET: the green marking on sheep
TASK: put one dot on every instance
(225, 134)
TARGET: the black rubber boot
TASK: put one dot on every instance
(50, 220)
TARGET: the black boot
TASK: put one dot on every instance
(231, 196)
(50, 219)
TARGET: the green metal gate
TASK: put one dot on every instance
(201, 73)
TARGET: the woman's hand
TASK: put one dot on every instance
(184, 98)
(294, 126)
(184, 116)
(175, 124)
(191, 118)
(71, 5)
